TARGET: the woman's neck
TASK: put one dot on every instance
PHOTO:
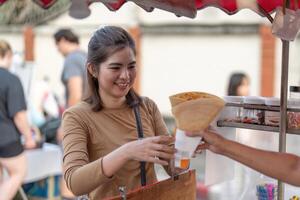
(113, 103)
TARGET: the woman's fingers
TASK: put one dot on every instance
(164, 148)
(155, 149)
(163, 155)
(163, 139)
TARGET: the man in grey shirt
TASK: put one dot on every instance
(74, 70)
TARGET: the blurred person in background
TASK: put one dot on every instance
(101, 147)
(73, 77)
(239, 85)
(13, 122)
(74, 72)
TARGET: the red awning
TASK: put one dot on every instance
(188, 8)
(43, 3)
(232, 6)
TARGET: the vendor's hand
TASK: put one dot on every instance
(210, 140)
(156, 149)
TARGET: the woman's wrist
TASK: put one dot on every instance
(125, 151)
(113, 161)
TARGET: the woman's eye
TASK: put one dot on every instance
(115, 68)
(131, 67)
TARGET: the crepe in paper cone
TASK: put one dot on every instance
(194, 111)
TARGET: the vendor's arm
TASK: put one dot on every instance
(78, 169)
(282, 166)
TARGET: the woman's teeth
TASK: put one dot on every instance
(122, 85)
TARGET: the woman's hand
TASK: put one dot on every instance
(158, 149)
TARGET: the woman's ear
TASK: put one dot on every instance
(92, 70)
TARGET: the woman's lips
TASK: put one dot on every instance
(122, 85)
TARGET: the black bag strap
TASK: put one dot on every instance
(139, 128)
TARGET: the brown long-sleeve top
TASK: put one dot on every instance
(89, 136)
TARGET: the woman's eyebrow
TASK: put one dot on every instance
(115, 64)
(119, 64)
(132, 63)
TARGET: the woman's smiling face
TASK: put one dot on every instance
(117, 74)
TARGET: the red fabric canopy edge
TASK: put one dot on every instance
(228, 6)
(43, 3)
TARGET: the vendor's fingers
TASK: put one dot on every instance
(202, 146)
(211, 129)
(198, 151)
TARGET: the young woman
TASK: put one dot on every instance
(13, 121)
(239, 85)
(101, 146)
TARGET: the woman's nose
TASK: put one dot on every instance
(125, 74)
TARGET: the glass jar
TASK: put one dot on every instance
(295, 92)
(253, 115)
(272, 118)
(294, 102)
(232, 113)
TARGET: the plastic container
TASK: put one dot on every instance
(232, 113)
(295, 92)
(186, 147)
(267, 191)
(272, 118)
(294, 102)
(251, 115)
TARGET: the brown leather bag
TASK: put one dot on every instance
(182, 187)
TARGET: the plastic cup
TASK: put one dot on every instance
(186, 147)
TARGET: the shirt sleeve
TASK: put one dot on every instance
(73, 67)
(159, 124)
(15, 97)
(81, 176)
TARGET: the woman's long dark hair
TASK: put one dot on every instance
(105, 42)
(234, 82)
